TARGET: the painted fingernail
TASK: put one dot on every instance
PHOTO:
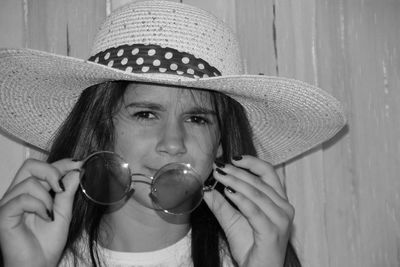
(219, 164)
(220, 171)
(236, 158)
(50, 213)
(230, 190)
(52, 193)
(61, 185)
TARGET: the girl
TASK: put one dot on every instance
(150, 99)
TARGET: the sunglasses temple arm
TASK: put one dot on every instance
(210, 187)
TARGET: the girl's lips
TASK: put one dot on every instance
(151, 171)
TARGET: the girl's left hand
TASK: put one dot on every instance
(258, 231)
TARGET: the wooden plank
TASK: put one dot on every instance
(114, 4)
(296, 57)
(342, 227)
(62, 27)
(349, 50)
(255, 28)
(373, 35)
(12, 154)
(12, 23)
(46, 25)
(84, 19)
(223, 9)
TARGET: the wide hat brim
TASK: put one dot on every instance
(39, 89)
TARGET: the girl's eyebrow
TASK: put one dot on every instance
(201, 110)
(145, 104)
(159, 107)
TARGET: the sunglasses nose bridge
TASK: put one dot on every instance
(133, 180)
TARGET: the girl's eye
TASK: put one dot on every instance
(144, 115)
(198, 120)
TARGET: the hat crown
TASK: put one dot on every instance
(174, 25)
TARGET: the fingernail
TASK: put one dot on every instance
(50, 214)
(219, 164)
(220, 171)
(52, 193)
(230, 190)
(61, 185)
(236, 158)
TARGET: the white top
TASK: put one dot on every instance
(176, 255)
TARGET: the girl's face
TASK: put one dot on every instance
(157, 125)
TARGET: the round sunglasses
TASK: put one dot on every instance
(176, 188)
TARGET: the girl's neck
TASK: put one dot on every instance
(137, 229)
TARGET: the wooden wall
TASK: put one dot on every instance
(347, 191)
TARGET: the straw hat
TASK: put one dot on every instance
(168, 43)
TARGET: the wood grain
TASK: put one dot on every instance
(346, 191)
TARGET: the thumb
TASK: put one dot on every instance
(63, 201)
(225, 213)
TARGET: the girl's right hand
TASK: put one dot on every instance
(33, 224)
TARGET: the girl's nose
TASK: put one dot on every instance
(172, 139)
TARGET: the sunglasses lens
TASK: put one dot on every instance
(105, 178)
(176, 189)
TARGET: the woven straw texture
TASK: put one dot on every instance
(176, 25)
(38, 89)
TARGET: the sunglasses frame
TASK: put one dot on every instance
(152, 179)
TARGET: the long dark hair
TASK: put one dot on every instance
(89, 127)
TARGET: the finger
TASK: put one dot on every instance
(263, 195)
(11, 212)
(223, 211)
(63, 201)
(262, 169)
(30, 186)
(264, 225)
(46, 173)
(247, 180)
(281, 215)
(254, 215)
(66, 165)
(256, 203)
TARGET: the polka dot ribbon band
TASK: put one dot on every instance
(140, 58)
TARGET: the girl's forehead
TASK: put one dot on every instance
(167, 95)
